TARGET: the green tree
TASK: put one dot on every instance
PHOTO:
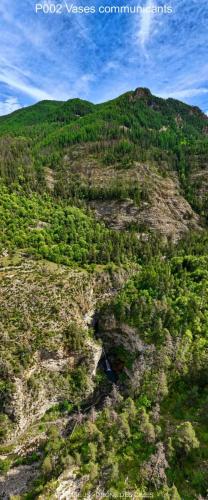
(185, 439)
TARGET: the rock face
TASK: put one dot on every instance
(117, 336)
(69, 486)
(29, 403)
(17, 481)
(46, 376)
(142, 92)
(51, 358)
(164, 210)
(162, 207)
(168, 212)
(114, 333)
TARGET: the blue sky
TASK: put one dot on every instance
(100, 56)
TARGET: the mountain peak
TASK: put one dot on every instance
(142, 92)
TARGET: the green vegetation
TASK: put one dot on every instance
(61, 233)
(53, 135)
(66, 168)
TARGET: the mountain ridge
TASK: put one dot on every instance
(119, 151)
(140, 92)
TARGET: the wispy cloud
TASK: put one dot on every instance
(146, 23)
(97, 57)
(14, 82)
(184, 93)
(42, 53)
(9, 105)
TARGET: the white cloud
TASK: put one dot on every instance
(13, 81)
(34, 62)
(59, 57)
(184, 93)
(146, 23)
(9, 105)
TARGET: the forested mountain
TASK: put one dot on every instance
(104, 300)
